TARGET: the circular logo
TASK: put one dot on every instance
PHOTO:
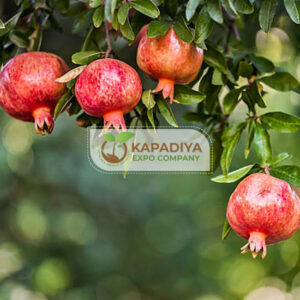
(116, 155)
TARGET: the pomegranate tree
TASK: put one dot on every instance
(108, 88)
(263, 210)
(28, 91)
(169, 60)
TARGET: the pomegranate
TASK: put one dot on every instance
(28, 91)
(263, 210)
(169, 60)
(108, 88)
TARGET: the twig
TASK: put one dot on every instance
(232, 24)
(109, 47)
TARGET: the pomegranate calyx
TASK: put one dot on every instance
(43, 120)
(167, 88)
(256, 245)
(114, 119)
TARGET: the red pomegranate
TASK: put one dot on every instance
(263, 210)
(169, 60)
(108, 88)
(28, 91)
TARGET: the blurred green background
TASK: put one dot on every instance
(68, 232)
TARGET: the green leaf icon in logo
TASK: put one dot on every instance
(124, 136)
(109, 137)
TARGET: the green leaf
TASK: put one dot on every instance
(245, 69)
(255, 96)
(98, 16)
(231, 100)
(281, 122)
(127, 31)
(166, 112)
(191, 8)
(193, 117)
(233, 176)
(148, 99)
(262, 64)
(123, 13)
(2, 25)
(109, 137)
(243, 6)
(217, 78)
(19, 39)
(204, 26)
(150, 117)
(85, 57)
(229, 147)
(74, 108)
(215, 59)
(146, 7)
(95, 3)
(251, 131)
(293, 9)
(156, 28)
(215, 10)
(281, 81)
(262, 144)
(188, 96)
(62, 103)
(10, 24)
(266, 14)
(113, 7)
(124, 136)
(290, 174)
(107, 10)
(226, 229)
(183, 31)
(280, 157)
(171, 7)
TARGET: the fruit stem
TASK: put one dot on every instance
(256, 244)
(43, 120)
(109, 47)
(167, 87)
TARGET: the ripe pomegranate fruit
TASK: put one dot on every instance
(169, 60)
(28, 91)
(108, 88)
(263, 210)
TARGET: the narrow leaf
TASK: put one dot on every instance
(204, 26)
(156, 28)
(127, 31)
(98, 16)
(290, 174)
(123, 13)
(183, 31)
(215, 10)
(62, 103)
(266, 14)
(262, 144)
(281, 121)
(191, 8)
(166, 112)
(293, 9)
(85, 57)
(188, 96)
(233, 176)
(226, 229)
(146, 7)
(71, 75)
(148, 99)
(281, 81)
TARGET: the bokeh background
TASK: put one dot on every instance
(68, 232)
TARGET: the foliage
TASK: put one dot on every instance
(231, 74)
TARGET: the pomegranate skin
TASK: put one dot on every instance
(263, 210)
(169, 60)
(108, 88)
(28, 91)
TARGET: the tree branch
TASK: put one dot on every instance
(109, 47)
